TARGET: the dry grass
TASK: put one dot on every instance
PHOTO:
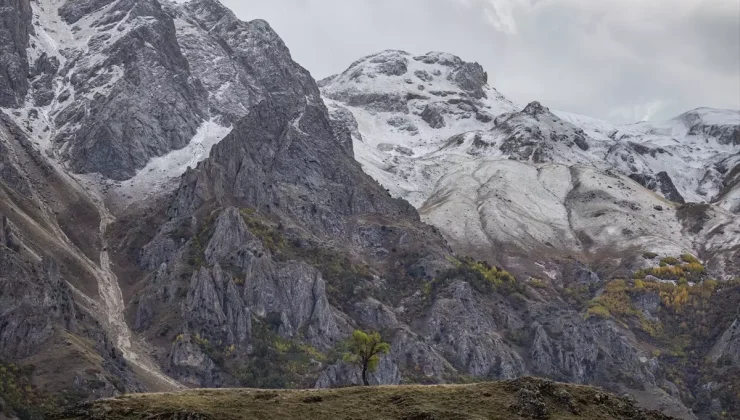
(520, 399)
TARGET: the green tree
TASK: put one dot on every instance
(365, 350)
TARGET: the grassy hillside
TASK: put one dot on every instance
(520, 399)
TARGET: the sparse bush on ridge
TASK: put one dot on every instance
(688, 269)
(479, 274)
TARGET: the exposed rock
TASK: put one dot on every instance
(471, 78)
(387, 147)
(660, 183)
(7, 237)
(157, 106)
(381, 102)
(15, 29)
(374, 315)
(280, 220)
(402, 123)
(535, 108)
(537, 134)
(213, 308)
(44, 70)
(74, 10)
(190, 365)
(34, 299)
(465, 334)
(433, 116)
(726, 134)
(483, 117)
(580, 273)
(297, 294)
(236, 172)
(344, 125)
(440, 58)
(391, 65)
(729, 344)
(424, 76)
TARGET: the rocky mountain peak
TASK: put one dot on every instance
(535, 108)
(722, 125)
(537, 134)
(437, 57)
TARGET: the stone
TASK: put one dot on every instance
(432, 115)
(471, 78)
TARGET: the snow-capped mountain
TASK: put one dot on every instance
(488, 172)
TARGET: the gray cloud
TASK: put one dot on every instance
(621, 60)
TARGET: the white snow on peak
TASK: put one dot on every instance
(162, 173)
(567, 193)
(85, 45)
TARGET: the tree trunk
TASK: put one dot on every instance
(364, 375)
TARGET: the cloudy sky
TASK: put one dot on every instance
(621, 60)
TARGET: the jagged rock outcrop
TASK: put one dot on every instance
(344, 125)
(213, 305)
(42, 75)
(583, 352)
(192, 366)
(298, 173)
(432, 115)
(538, 135)
(282, 168)
(251, 166)
(465, 332)
(34, 299)
(471, 78)
(729, 344)
(138, 102)
(15, 30)
(662, 183)
(727, 134)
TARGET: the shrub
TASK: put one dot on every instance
(19, 395)
(480, 275)
(596, 310)
(267, 232)
(277, 362)
(670, 261)
(537, 283)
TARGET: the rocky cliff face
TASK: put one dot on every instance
(15, 30)
(51, 316)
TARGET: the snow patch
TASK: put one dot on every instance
(162, 173)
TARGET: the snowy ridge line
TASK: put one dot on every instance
(534, 178)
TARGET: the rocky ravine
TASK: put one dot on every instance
(182, 199)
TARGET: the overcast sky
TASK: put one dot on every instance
(620, 60)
